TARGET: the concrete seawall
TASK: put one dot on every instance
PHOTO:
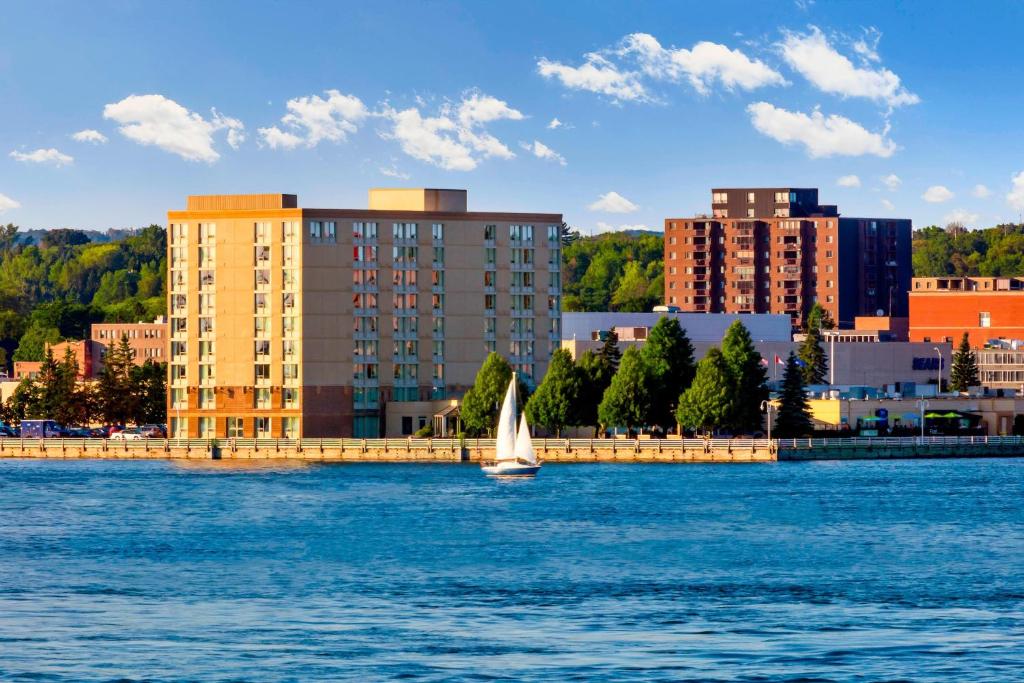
(548, 450)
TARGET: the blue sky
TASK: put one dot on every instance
(909, 109)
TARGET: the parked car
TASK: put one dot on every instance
(98, 432)
(79, 433)
(7, 430)
(133, 434)
(42, 429)
(153, 431)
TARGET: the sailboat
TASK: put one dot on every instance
(514, 456)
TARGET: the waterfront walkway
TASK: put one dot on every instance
(549, 450)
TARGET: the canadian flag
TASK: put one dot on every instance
(779, 361)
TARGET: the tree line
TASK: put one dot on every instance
(124, 392)
(657, 387)
(956, 251)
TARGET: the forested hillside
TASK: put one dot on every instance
(56, 288)
(616, 271)
(955, 251)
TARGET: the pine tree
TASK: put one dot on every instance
(49, 385)
(68, 409)
(627, 402)
(595, 376)
(749, 376)
(480, 405)
(708, 403)
(609, 353)
(668, 354)
(150, 381)
(554, 404)
(116, 393)
(964, 372)
(794, 416)
(815, 367)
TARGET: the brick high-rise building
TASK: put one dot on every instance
(293, 322)
(777, 250)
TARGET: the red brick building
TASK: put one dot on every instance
(987, 308)
(777, 250)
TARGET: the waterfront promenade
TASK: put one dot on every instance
(549, 450)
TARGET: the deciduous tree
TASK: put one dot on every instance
(480, 405)
(627, 402)
(555, 403)
(749, 376)
(708, 403)
(668, 354)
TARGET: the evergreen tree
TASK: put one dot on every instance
(150, 381)
(67, 407)
(49, 395)
(709, 401)
(627, 402)
(609, 353)
(749, 376)
(815, 367)
(668, 354)
(117, 396)
(595, 376)
(794, 416)
(964, 372)
(819, 318)
(480, 405)
(555, 403)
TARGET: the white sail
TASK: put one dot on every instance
(524, 445)
(506, 436)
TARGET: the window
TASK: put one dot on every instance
(206, 428)
(207, 233)
(984, 319)
(206, 326)
(290, 371)
(261, 425)
(290, 397)
(179, 399)
(315, 231)
(206, 399)
(235, 430)
(366, 231)
(261, 232)
(719, 197)
(262, 347)
(750, 198)
(330, 234)
(290, 231)
(262, 278)
(262, 372)
(750, 213)
(206, 350)
(288, 348)
(490, 257)
(262, 398)
(490, 231)
(262, 254)
(262, 326)
(290, 427)
(554, 233)
(403, 231)
(437, 232)
(177, 373)
(178, 348)
(439, 256)
(206, 373)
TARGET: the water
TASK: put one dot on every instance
(791, 571)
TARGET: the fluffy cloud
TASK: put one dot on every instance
(393, 172)
(962, 216)
(981, 192)
(555, 124)
(613, 202)
(43, 156)
(608, 227)
(888, 205)
(936, 194)
(162, 122)
(702, 66)
(848, 181)
(455, 139)
(6, 203)
(89, 135)
(811, 55)
(1015, 197)
(542, 151)
(892, 182)
(822, 136)
(313, 119)
(597, 75)
(619, 72)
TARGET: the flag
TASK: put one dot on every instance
(779, 361)
(764, 362)
(801, 363)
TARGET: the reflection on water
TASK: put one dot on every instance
(282, 571)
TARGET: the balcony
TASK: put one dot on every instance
(519, 267)
(366, 312)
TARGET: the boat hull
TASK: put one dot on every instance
(512, 469)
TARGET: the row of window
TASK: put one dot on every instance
(234, 428)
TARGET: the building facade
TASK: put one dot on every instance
(147, 340)
(292, 322)
(986, 308)
(777, 250)
(88, 356)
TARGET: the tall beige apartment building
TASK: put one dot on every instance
(288, 322)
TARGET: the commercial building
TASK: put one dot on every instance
(777, 250)
(987, 415)
(88, 354)
(295, 322)
(147, 340)
(986, 308)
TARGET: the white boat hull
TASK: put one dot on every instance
(510, 469)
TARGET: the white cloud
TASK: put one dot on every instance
(235, 128)
(867, 47)
(936, 194)
(597, 75)
(43, 156)
(888, 205)
(981, 192)
(822, 136)
(393, 172)
(90, 135)
(962, 216)
(848, 181)
(892, 182)
(455, 139)
(6, 203)
(162, 122)
(542, 151)
(634, 226)
(555, 124)
(312, 119)
(1015, 197)
(613, 202)
(701, 66)
(605, 227)
(602, 226)
(815, 59)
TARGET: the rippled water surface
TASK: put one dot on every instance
(788, 571)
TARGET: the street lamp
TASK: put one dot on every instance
(938, 389)
(766, 407)
(922, 404)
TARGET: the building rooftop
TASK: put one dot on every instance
(700, 327)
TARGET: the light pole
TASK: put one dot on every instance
(922, 404)
(766, 407)
(938, 388)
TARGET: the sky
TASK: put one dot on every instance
(616, 115)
